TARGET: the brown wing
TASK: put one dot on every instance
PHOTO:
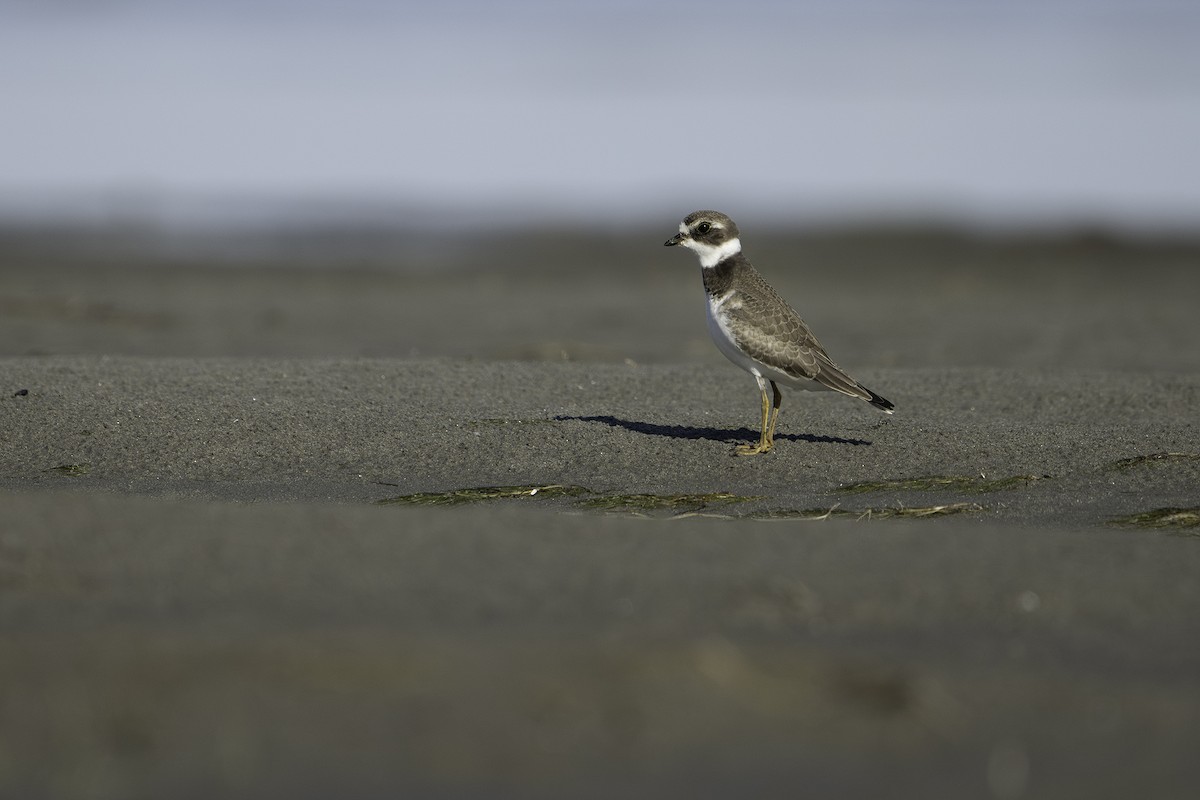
(773, 334)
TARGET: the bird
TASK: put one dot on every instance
(755, 328)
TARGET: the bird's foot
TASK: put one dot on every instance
(753, 449)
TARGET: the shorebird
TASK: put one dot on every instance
(755, 328)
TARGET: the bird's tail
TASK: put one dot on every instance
(832, 376)
(882, 403)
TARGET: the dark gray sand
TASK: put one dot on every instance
(464, 522)
(175, 648)
(882, 301)
(260, 625)
(1034, 448)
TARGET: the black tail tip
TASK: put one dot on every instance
(882, 403)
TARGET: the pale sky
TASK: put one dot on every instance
(1069, 109)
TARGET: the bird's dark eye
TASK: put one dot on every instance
(704, 227)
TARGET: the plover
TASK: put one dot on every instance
(755, 328)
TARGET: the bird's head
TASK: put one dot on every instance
(710, 235)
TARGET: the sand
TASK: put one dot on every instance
(223, 572)
(1033, 447)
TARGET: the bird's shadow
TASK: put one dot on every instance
(714, 434)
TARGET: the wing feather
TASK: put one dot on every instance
(773, 334)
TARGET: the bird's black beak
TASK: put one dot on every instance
(674, 240)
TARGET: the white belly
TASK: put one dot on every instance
(727, 344)
(723, 337)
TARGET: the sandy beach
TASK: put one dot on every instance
(478, 532)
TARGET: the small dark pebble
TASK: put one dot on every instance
(21, 393)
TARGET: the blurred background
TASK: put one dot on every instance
(930, 182)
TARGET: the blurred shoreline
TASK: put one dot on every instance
(876, 296)
(409, 241)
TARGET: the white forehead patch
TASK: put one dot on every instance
(683, 228)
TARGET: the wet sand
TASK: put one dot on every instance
(175, 647)
(219, 572)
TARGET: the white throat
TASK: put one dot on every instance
(710, 256)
